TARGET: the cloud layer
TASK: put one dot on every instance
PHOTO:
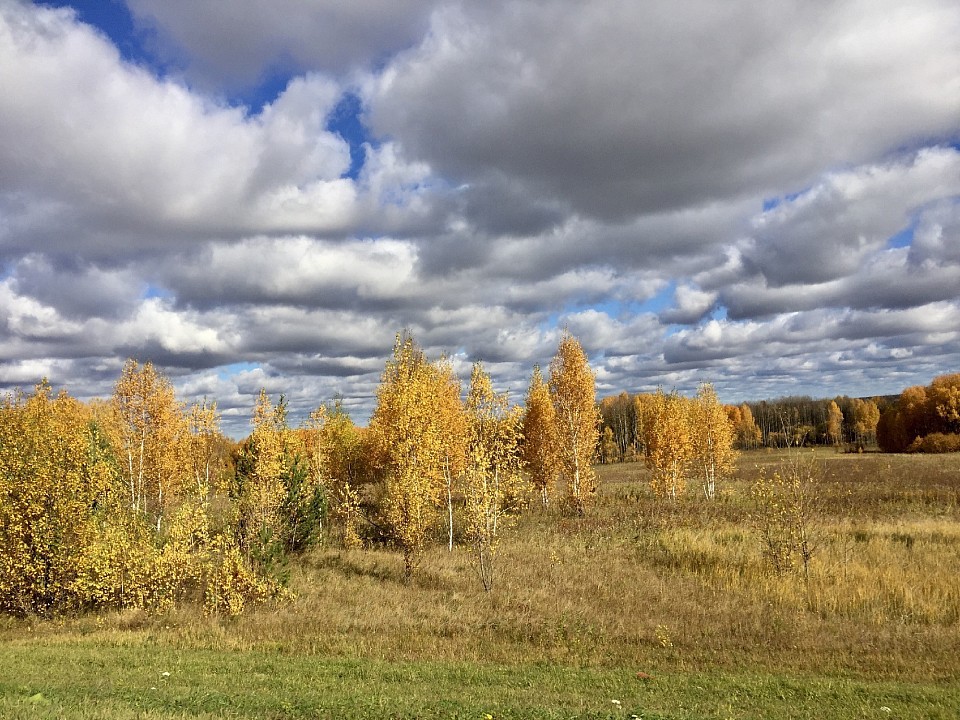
(761, 194)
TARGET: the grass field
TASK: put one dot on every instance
(677, 591)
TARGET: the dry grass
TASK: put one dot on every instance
(640, 583)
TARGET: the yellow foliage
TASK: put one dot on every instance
(834, 423)
(783, 513)
(645, 410)
(204, 442)
(72, 536)
(748, 432)
(53, 475)
(335, 450)
(671, 444)
(412, 439)
(262, 490)
(540, 452)
(232, 585)
(577, 420)
(712, 436)
(114, 572)
(153, 436)
(452, 416)
(866, 416)
(944, 396)
(493, 475)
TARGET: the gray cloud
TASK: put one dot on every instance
(619, 108)
(829, 230)
(78, 291)
(239, 44)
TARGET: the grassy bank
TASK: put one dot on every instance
(679, 591)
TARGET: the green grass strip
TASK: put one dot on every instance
(89, 681)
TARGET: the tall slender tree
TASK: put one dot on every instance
(452, 416)
(713, 438)
(153, 433)
(834, 423)
(749, 435)
(539, 437)
(411, 437)
(577, 422)
(493, 475)
(205, 443)
(671, 452)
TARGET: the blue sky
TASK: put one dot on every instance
(765, 195)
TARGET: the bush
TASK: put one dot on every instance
(784, 509)
(70, 540)
(936, 443)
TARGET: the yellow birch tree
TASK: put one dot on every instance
(153, 435)
(671, 451)
(336, 447)
(411, 438)
(644, 410)
(452, 416)
(866, 415)
(540, 453)
(713, 438)
(748, 432)
(261, 492)
(205, 442)
(577, 420)
(53, 477)
(834, 423)
(493, 474)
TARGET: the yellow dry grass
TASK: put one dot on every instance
(639, 582)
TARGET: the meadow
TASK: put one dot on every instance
(644, 607)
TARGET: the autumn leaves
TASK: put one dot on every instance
(686, 438)
(109, 504)
(140, 501)
(435, 447)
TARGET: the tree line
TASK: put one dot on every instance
(785, 422)
(140, 501)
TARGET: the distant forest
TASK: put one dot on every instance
(920, 419)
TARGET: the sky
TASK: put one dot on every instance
(761, 194)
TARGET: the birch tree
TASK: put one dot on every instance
(204, 442)
(713, 438)
(53, 478)
(493, 472)
(539, 437)
(261, 492)
(644, 413)
(452, 416)
(577, 420)
(411, 438)
(671, 451)
(748, 432)
(153, 433)
(834, 423)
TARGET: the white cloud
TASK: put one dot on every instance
(690, 304)
(128, 154)
(27, 318)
